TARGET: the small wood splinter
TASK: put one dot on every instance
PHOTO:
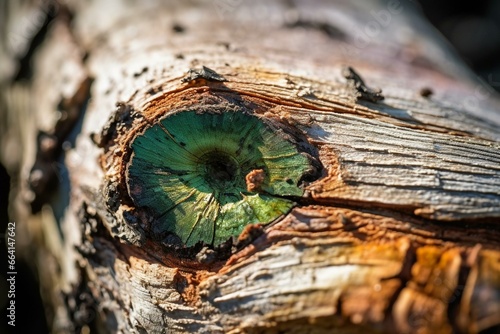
(363, 91)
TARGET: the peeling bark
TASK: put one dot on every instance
(399, 233)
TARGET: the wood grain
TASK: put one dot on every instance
(399, 234)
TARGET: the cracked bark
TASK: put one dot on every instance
(400, 234)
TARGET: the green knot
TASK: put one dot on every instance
(205, 176)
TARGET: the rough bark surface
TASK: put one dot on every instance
(399, 234)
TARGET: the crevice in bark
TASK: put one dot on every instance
(404, 276)
(47, 170)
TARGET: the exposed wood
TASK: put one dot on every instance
(399, 234)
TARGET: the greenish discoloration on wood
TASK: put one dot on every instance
(190, 170)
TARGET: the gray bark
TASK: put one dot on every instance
(400, 234)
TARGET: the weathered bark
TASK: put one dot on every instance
(399, 234)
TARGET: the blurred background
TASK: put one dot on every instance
(473, 28)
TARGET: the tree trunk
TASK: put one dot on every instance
(395, 229)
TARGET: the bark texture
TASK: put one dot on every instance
(400, 233)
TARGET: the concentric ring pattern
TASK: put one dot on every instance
(190, 171)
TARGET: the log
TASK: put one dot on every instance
(373, 204)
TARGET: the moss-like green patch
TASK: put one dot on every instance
(190, 170)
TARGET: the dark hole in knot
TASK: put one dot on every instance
(220, 169)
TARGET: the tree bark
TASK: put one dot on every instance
(399, 232)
